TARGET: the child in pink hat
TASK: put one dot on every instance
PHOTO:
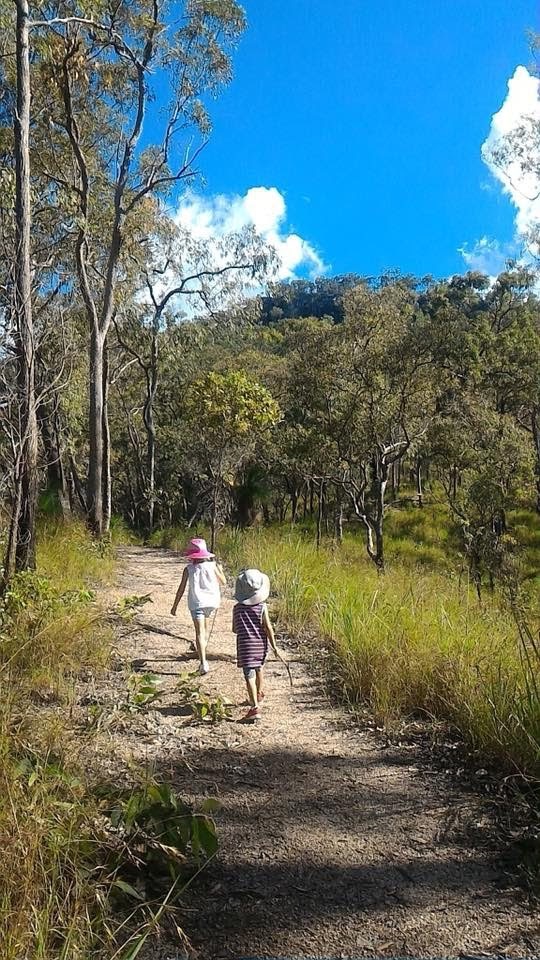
(204, 577)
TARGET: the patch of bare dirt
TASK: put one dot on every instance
(330, 843)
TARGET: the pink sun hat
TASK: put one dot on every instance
(197, 550)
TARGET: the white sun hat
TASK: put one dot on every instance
(252, 587)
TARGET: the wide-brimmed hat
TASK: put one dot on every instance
(252, 587)
(197, 550)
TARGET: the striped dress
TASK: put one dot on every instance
(251, 640)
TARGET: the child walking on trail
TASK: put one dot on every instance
(253, 629)
(204, 577)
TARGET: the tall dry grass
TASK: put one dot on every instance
(413, 642)
(51, 883)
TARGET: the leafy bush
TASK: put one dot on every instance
(203, 707)
(86, 854)
(162, 831)
(143, 690)
(48, 632)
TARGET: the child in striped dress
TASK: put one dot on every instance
(254, 631)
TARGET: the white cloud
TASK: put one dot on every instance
(488, 256)
(520, 177)
(263, 208)
(517, 171)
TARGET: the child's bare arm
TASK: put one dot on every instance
(180, 592)
(269, 630)
(222, 579)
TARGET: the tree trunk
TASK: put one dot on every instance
(215, 500)
(320, 513)
(380, 481)
(536, 438)
(25, 530)
(393, 480)
(131, 498)
(379, 544)
(339, 522)
(56, 477)
(77, 484)
(95, 463)
(107, 479)
(419, 490)
(149, 423)
(294, 504)
(11, 546)
(213, 516)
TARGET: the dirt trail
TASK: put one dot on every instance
(330, 844)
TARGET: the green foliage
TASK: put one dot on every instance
(204, 708)
(164, 830)
(227, 407)
(52, 881)
(47, 633)
(143, 690)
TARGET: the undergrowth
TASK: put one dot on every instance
(415, 642)
(88, 869)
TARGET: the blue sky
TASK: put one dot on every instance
(369, 119)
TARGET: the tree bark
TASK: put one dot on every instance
(25, 530)
(107, 479)
(148, 416)
(11, 545)
(339, 522)
(535, 419)
(77, 484)
(419, 489)
(95, 462)
(50, 438)
(320, 509)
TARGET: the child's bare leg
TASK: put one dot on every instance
(200, 638)
(251, 684)
(259, 683)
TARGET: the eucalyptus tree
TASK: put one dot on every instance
(228, 415)
(512, 365)
(102, 65)
(181, 277)
(487, 450)
(18, 314)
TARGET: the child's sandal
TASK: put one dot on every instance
(251, 716)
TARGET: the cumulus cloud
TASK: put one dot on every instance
(511, 153)
(518, 123)
(262, 208)
(488, 256)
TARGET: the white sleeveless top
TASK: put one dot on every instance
(203, 585)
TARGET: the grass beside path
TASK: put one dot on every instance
(51, 631)
(413, 642)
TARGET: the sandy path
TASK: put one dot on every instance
(330, 845)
